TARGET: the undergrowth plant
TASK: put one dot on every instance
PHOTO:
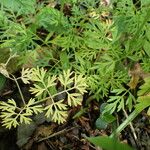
(106, 46)
(143, 101)
(46, 97)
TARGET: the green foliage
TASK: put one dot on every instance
(104, 119)
(143, 102)
(19, 38)
(100, 44)
(52, 20)
(12, 115)
(145, 88)
(22, 7)
(55, 108)
(108, 143)
(122, 97)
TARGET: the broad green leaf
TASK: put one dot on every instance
(108, 143)
(108, 118)
(24, 132)
(101, 124)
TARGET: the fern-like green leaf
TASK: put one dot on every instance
(57, 111)
(72, 86)
(37, 90)
(26, 75)
(65, 78)
(51, 81)
(80, 83)
(9, 106)
(60, 105)
(59, 116)
(24, 118)
(11, 117)
(74, 99)
(9, 123)
(32, 108)
(38, 74)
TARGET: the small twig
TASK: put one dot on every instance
(55, 134)
(131, 126)
(7, 92)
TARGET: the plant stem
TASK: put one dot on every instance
(132, 128)
(20, 92)
(50, 96)
(125, 123)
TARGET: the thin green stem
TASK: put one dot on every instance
(125, 123)
(131, 125)
(20, 92)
